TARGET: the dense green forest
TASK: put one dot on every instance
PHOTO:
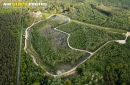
(33, 75)
(88, 38)
(91, 13)
(107, 13)
(108, 67)
(9, 45)
(30, 73)
(100, 69)
(10, 24)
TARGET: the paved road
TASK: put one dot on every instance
(19, 57)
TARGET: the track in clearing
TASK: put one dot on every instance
(71, 71)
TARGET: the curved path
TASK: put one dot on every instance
(71, 71)
(28, 28)
(123, 41)
(68, 41)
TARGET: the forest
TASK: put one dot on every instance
(107, 13)
(89, 14)
(109, 66)
(52, 47)
(88, 38)
(30, 73)
(114, 14)
(9, 45)
(10, 25)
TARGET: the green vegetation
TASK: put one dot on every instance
(105, 13)
(118, 3)
(9, 43)
(109, 66)
(88, 13)
(115, 15)
(110, 9)
(88, 38)
(51, 46)
(100, 27)
(28, 19)
(30, 73)
(45, 15)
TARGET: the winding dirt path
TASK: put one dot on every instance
(27, 36)
(71, 71)
(123, 41)
(68, 41)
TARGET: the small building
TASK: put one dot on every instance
(37, 13)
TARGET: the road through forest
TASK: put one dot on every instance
(71, 71)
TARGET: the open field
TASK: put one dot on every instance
(110, 9)
(45, 15)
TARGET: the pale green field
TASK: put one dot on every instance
(45, 15)
(110, 8)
